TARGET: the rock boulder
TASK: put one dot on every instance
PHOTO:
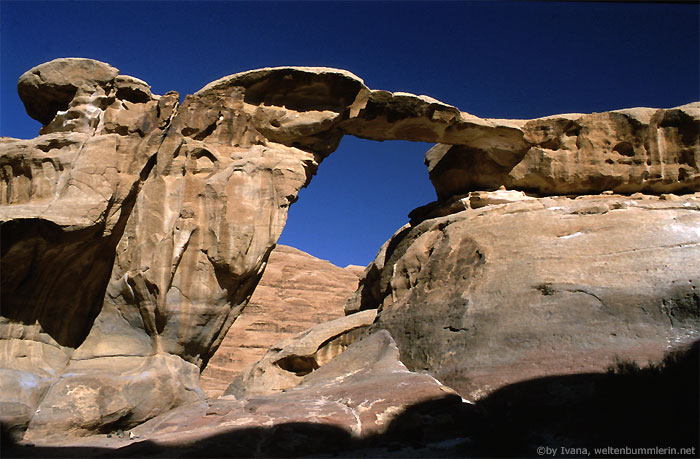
(496, 294)
(294, 360)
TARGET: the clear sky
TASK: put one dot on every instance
(492, 59)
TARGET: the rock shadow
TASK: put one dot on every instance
(645, 410)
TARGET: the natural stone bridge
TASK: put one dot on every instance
(136, 228)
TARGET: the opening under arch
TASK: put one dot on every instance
(360, 196)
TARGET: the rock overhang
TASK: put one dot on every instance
(49, 87)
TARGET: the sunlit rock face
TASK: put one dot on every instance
(135, 227)
(626, 151)
(66, 198)
(508, 289)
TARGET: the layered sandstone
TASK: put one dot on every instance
(135, 230)
(296, 292)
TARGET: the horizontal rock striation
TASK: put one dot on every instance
(626, 151)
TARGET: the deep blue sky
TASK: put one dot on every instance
(492, 59)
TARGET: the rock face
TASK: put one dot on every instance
(135, 229)
(626, 151)
(509, 291)
(67, 196)
(287, 363)
(296, 292)
(339, 390)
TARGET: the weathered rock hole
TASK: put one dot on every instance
(302, 91)
(688, 157)
(301, 365)
(59, 101)
(551, 144)
(137, 97)
(205, 161)
(624, 148)
(546, 289)
(55, 144)
(572, 130)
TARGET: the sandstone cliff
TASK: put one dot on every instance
(513, 287)
(296, 292)
(135, 230)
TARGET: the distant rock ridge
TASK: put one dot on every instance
(135, 228)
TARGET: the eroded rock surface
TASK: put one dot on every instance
(627, 151)
(296, 292)
(288, 362)
(491, 295)
(66, 199)
(135, 229)
(359, 395)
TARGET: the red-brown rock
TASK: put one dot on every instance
(296, 292)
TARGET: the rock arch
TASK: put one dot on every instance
(186, 202)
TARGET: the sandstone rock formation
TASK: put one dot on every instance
(365, 403)
(523, 288)
(342, 385)
(141, 231)
(358, 395)
(626, 151)
(296, 292)
(67, 196)
(287, 363)
(135, 229)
